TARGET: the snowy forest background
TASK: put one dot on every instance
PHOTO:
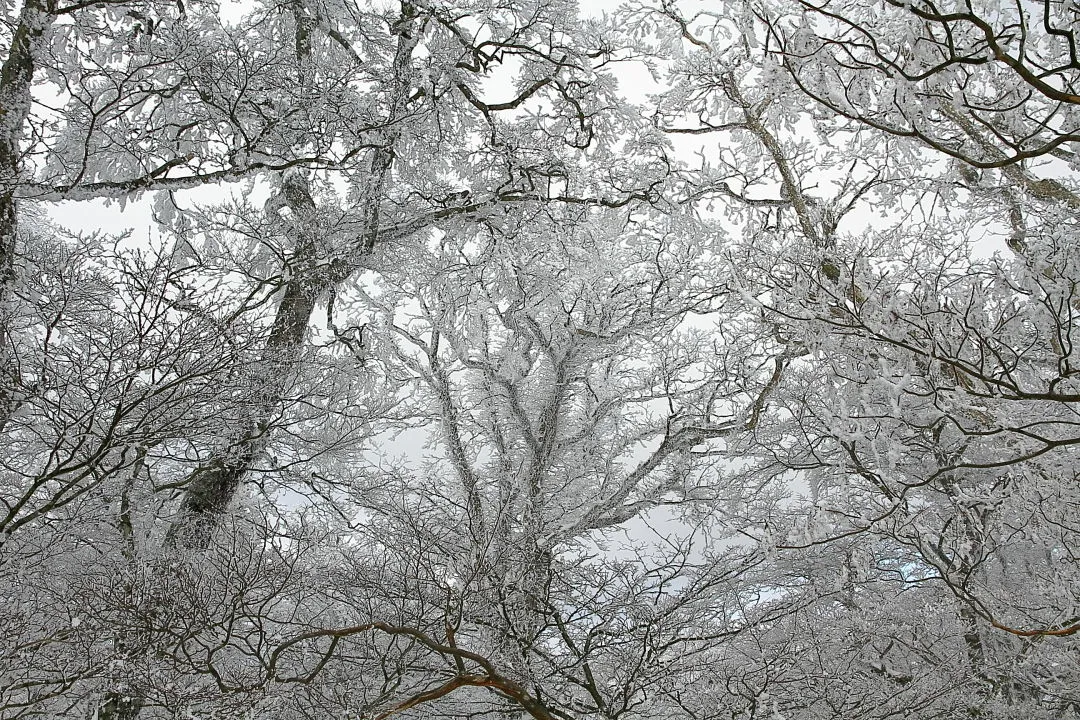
(492, 358)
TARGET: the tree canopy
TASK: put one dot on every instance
(509, 358)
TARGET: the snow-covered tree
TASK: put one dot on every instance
(871, 158)
(479, 390)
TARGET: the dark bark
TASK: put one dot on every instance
(212, 486)
(118, 706)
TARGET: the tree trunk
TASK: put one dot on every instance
(213, 485)
(16, 77)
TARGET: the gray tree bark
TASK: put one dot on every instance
(212, 486)
(16, 77)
